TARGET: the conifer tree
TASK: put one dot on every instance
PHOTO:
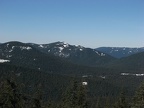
(98, 103)
(107, 104)
(37, 98)
(121, 103)
(82, 97)
(10, 96)
(139, 98)
(75, 96)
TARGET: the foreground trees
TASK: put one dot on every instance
(10, 97)
(139, 98)
(75, 96)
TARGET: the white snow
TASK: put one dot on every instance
(103, 77)
(10, 50)
(66, 45)
(41, 46)
(84, 83)
(81, 49)
(13, 47)
(102, 54)
(97, 52)
(61, 48)
(85, 76)
(132, 74)
(10, 55)
(2, 60)
(125, 73)
(26, 48)
(7, 45)
(139, 74)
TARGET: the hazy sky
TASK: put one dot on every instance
(90, 23)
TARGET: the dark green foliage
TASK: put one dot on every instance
(10, 97)
(98, 103)
(75, 96)
(122, 102)
(133, 63)
(139, 98)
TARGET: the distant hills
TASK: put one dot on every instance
(133, 62)
(120, 52)
(60, 57)
(25, 55)
(75, 53)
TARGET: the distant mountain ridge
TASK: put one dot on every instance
(120, 52)
(75, 53)
(60, 57)
(25, 55)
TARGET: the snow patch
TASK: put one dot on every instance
(61, 48)
(132, 74)
(10, 50)
(26, 48)
(103, 77)
(10, 55)
(41, 46)
(7, 45)
(66, 45)
(3, 61)
(84, 83)
(102, 54)
(13, 47)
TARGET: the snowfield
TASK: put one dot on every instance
(3, 61)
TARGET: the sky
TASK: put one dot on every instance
(90, 23)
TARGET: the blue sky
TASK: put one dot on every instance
(90, 23)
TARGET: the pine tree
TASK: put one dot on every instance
(75, 96)
(107, 104)
(121, 103)
(37, 98)
(82, 97)
(139, 97)
(98, 103)
(10, 96)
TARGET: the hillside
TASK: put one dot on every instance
(24, 55)
(75, 53)
(120, 52)
(132, 63)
